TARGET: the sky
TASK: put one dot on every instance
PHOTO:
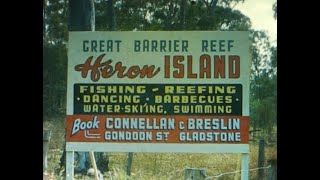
(261, 15)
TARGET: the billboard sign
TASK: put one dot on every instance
(158, 91)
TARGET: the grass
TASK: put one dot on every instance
(148, 166)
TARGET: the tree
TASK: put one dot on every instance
(54, 57)
(55, 22)
(274, 8)
(54, 79)
(177, 15)
(81, 15)
(263, 84)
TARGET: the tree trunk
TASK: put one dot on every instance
(81, 15)
(169, 18)
(213, 7)
(130, 156)
(111, 16)
(182, 14)
(261, 159)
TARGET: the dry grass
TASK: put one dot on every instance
(171, 165)
(149, 166)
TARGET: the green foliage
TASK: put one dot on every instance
(263, 83)
(55, 21)
(101, 16)
(54, 79)
(54, 57)
(165, 15)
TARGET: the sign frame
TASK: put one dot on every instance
(241, 44)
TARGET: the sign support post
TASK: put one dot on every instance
(69, 165)
(81, 18)
(245, 166)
